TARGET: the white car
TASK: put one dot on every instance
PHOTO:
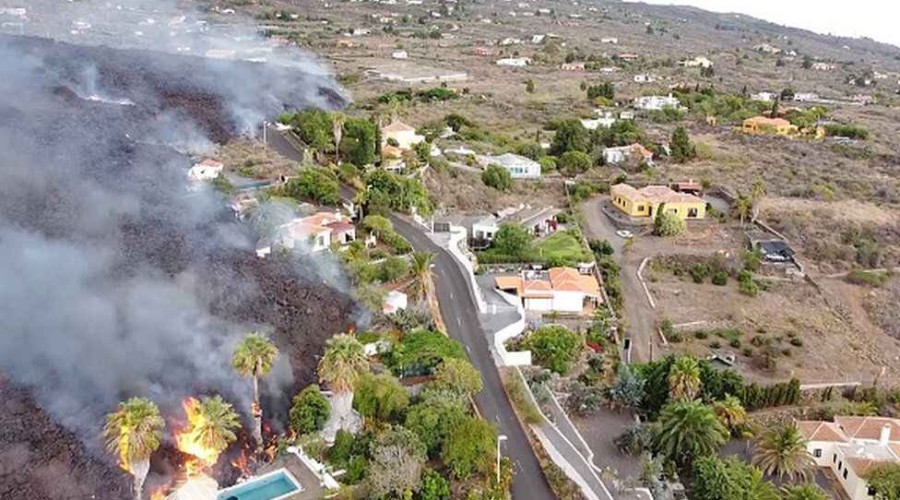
(624, 233)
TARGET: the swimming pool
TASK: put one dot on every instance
(272, 486)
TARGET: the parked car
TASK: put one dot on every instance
(624, 233)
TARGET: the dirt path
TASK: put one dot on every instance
(639, 317)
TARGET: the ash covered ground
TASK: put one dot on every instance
(117, 282)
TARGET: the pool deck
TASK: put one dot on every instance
(312, 490)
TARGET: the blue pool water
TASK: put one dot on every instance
(265, 488)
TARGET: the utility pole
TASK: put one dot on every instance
(265, 136)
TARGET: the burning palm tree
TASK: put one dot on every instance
(210, 429)
(253, 358)
(134, 431)
(340, 367)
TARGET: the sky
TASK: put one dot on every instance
(876, 19)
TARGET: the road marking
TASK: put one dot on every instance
(451, 295)
(459, 321)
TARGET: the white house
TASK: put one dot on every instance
(594, 124)
(643, 78)
(614, 156)
(315, 233)
(399, 54)
(536, 39)
(562, 289)
(806, 97)
(518, 62)
(394, 301)
(852, 447)
(656, 102)
(510, 41)
(519, 166)
(764, 96)
(821, 66)
(767, 48)
(206, 170)
(697, 62)
(404, 135)
(485, 228)
(610, 39)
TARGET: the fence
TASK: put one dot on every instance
(457, 236)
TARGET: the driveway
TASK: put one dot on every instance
(640, 318)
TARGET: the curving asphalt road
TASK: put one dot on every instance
(461, 318)
(460, 314)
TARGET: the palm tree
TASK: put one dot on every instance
(782, 450)
(742, 206)
(757, 191)
(253, 358)
(340, 367)
(730, 412)
(684, 379)
(421, 271)
(134, 431)
(337, 123)
(688, 429)
(216, 423)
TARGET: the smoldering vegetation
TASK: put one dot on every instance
(116, 281)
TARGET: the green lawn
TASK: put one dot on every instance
(562, 248)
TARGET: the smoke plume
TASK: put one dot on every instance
(113, 274)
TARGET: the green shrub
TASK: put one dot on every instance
(720, 278)
(736, 343)
(796, 342)
(497, 177)
(746, 284)
(701, 335)
(554, 347)
(874, 279)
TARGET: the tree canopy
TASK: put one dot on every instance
(381, 397)
(310, 410)
(358, 143)
(457, 376)
(497, 177)
(688, 430)
(469, 448)
(570, 136)
(729, 479)
(554, 347)
(885, 480)
(513, 240)
(574, 162)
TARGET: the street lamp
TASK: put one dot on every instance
(500, 439)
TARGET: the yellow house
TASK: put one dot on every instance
(645, 202)
(765, 125)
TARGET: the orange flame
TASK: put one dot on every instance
(240, 464)
(189, 439)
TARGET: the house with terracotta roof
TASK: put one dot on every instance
(614, 156)
(401, 135)
(646, 201)
(852, 447)
(764, 125)
(562, 289)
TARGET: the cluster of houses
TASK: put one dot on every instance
(481, 229)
